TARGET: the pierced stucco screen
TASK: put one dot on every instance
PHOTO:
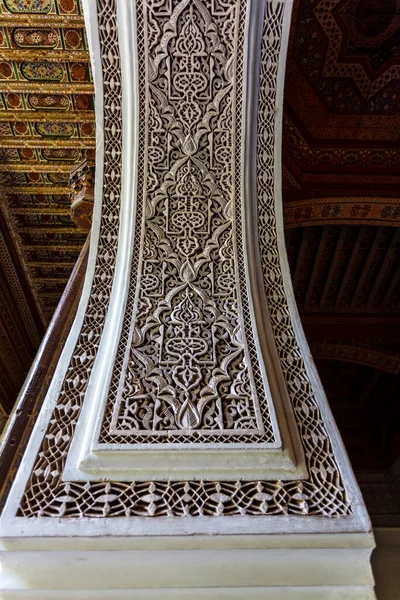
(186, 388)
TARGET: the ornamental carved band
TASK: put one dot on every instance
(186, 387)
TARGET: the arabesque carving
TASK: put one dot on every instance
(189, 236)
(189, 367)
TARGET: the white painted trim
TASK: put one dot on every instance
(203, 568)
(175, 526)
(90, 419)
(228, 593)
(21, 478)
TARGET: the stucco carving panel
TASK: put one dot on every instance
(189, 244)
(189, 366)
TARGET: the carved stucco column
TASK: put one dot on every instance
(185, 426)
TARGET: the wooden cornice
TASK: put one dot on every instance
(53, 296)
(54, 246)
(35, 189)
(61, 279)
(36, 167)
(346, 210)
(359, 326)
(53, 263)
(45, 210)
(362, 354)
(52, 228)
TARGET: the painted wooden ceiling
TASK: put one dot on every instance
(46, 127)
(342, 95)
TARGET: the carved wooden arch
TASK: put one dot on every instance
(359, 353)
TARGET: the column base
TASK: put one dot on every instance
(278, 567)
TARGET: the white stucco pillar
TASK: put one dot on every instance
(185, 448)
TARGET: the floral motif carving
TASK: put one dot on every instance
(61, 154)
(323, 494)
(189, 367)
(187, 317)
(342, 210)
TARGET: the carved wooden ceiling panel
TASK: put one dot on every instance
(346, 269)
(46, 126)
(341, 182)
(343, 97)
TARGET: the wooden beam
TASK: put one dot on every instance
(348, 273)
(391, 259)
(63, 279)
(35, 189)
(46, 210)
(52, 246)
(39, 142)
(362, 354)
(393, 287)
(45, 116)
(39, 228)
(380, 236)
(46, 87)
(40, 54)
(360, 326)
(55, 263)
(46, 20)
(297, 272)
(315, 273)
(334, 266)
(35, 167)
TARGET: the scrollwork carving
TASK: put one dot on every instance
(184, 298)
(188, 367)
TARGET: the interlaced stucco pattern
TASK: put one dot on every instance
(323, 492)
(184, 372)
